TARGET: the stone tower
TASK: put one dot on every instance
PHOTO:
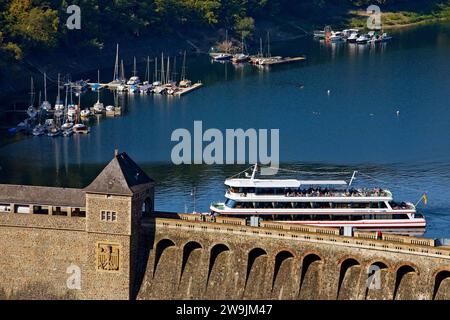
(116, 201)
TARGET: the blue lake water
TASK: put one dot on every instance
(354, 127)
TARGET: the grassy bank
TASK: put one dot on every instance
(400, 17)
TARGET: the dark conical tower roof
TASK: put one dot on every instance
(122, 176)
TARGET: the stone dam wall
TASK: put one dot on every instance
(191, 260)
(181, 258)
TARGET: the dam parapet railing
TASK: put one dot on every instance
(369, 240)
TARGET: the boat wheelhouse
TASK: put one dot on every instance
(329, 203)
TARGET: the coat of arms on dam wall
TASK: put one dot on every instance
(108, 256)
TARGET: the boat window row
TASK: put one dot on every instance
(305, 205)
(327, 217)
(311, 192)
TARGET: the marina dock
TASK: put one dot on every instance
(182, 91)
(281, 60)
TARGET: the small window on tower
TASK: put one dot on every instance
(108, 216)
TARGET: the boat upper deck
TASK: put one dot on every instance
(375, 194)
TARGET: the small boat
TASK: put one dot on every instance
(53, 131)
(98, 107)
(319, 34)
(121, 88)
(71, 112)
(336, 36)
(362, 39)
(133, 88)
(110, 110)
(67, 132)
(348, 32)
(80, 128)
(45, 104)
(58, 113)
(241, 58)
(159, 89)
(59, 104)
(134, 80)
(31, 111)
(385, 37)
(353, 37)
(38, 130)
(86, 113)
(223, 57)
(67, 126)
(23, 126)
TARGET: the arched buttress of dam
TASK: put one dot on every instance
(188, 249)
(166, 262)
(311, 269)
(191, 283)
(377, 282)
(349, 279)
(284, 285)
(219, 282)
(256, 274)
(405, 283)
(441, 289)
(161, 246)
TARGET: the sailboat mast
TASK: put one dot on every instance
(45, 86)
(162, 69)
(32, 93)
(260, 48)
(226, 41)
(98, 89)
(122, 71)
(174, 72)
(268, 45)
(168, 70)
(147, 71)
(156, 69)
(58, 98)
(116, 65)
(183, 69)
(134, 67)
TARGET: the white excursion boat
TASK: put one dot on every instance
(328, 203)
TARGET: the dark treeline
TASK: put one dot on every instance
(29, 25)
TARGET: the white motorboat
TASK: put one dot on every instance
(80, 128)
(362, 39)
(67, 126)
(353, 37)
(336, 36)
(45, 104)
(223, 57)
(385, 37)
(86, 113)
(38, 130)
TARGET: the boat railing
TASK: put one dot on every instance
(320, 193)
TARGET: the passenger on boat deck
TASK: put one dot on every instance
(325, 192)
